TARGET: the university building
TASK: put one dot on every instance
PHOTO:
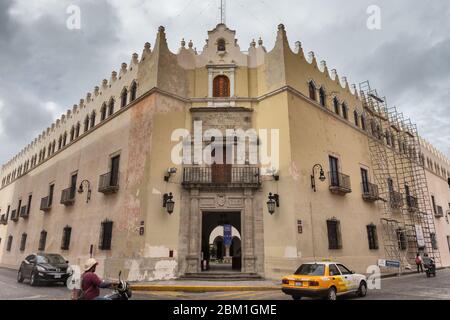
(355, 182)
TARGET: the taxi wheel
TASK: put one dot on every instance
(297, 298)
(331, 295)
(362, 291)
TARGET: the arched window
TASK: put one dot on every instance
(322, 97)
(60, 142)
(111, 108)
(77, 130)
(93, 119)
(72, 133)
(336, 105)
(103, 112)
(356, 116)
(86, 124)
(312, 91)
(221, 87)
(64, 139)
(133, 91)
(345, 111)
(363, 122)
(221, 45)
(124, 98)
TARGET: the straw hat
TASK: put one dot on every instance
(89, 264)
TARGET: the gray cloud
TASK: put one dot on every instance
(43, 64)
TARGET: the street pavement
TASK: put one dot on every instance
(410, 287)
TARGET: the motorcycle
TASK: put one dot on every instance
(430, 267)
(122, 291)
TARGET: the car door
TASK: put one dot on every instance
(348, 277)
(28, 265)
(336, 278)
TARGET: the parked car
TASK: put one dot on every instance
(43, 268)
(324, 280)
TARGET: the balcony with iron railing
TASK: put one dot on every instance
(221, 175)
(412, 203)
(24, 212)
(339, 183)
(68, 196)
(370, 192)
(439, 213)
(395, 199)
(46, 205)
(108, 183)
(15, 215)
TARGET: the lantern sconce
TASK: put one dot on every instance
(169, 173)
(274, 201)
(168, 203)
(322, 177)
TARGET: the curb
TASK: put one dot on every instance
(201, 289)
(407, 273)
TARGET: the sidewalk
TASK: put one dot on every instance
(207, 286)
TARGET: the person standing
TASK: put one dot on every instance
(419, 263)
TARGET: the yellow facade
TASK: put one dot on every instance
(268, 90)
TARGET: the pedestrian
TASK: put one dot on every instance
(91, 283)
(419, 263)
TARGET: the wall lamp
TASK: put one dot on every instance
(313, 176)
(168, 202)
(274, 201)
(81, 189)
(169, 173)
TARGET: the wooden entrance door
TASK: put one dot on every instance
(221, 172)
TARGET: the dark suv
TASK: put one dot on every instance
(43, 268)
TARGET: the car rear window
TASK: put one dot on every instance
(311, 270)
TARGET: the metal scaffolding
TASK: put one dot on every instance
(408, 222)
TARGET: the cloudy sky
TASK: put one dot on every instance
(45, 67)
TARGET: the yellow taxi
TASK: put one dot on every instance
(326, 280)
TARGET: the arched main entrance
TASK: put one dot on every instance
(221, 242)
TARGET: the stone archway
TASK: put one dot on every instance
(246, 202)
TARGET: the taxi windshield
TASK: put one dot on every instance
(311, 270)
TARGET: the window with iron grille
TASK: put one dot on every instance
(433, 239)
(30, 197)
(373, 237)
(23, 242)
(9, 243)
(105, 235)
(42, 240)
(65, 243)
(334, 234)
(401, 238)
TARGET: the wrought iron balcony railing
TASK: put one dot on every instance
(395, 199)
(15, 215)
(220, 175)
(439, 212)
(412, 203)
(339, 183)
(46, 205)
(109, 183)
(370, 192)
(24, 212)
(68, 196)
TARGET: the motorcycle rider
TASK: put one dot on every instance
(91, 283)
